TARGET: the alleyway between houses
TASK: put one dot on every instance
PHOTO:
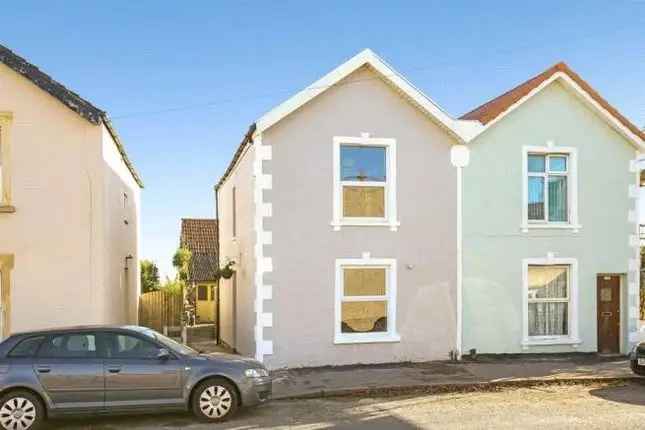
(586, 406)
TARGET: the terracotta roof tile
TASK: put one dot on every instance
(200, 237)
(497, 106)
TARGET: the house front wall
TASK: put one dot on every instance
(305, 247)
(495, 245)
(51, 233)
(56, 238)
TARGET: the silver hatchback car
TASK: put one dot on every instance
(92, 369)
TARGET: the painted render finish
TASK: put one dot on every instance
(122, 203)
(67, 234)
(237, 296)
(494, 246)
(305, 246)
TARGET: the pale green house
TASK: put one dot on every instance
(550, 222)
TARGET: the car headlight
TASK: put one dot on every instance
(256, 373)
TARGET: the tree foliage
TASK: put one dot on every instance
(181, 262)
(172, 286)
(149, 276)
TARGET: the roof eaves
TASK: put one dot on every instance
(46, 83)
(248, 138)
(493, 110)
(121, 148)
(367, 57)
(69, 98)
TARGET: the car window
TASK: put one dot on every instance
(165, 341)
(69, 345)
(126, 346)
(26, 347)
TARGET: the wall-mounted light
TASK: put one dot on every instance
(127, 259)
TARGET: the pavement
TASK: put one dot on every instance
(447, 376)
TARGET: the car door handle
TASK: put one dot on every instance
(115, 369)
(43, 369)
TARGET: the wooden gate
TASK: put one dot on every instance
(158, 309)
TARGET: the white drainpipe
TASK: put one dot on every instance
(459, 157)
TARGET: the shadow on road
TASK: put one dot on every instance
(632, 393)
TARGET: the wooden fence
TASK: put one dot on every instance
(158, 309)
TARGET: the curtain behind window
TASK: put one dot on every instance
(558, 198)
(548, 318)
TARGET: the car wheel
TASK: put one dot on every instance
(215, 400)
(21, 410)
(639, 370)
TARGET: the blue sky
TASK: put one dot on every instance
(183, 80)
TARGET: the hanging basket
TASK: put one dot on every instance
(227, 271)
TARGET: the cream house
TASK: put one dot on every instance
(69, 207)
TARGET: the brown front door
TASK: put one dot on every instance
(608, 314)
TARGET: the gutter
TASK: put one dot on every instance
(119, 145)
(248, 138)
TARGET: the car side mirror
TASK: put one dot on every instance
(163, 354)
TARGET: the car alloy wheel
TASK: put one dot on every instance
(17, 413)
(215, 402)
(215, 399)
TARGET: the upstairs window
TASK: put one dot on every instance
(550, 188)
(364, 182)
(548, 200)
(5, 166)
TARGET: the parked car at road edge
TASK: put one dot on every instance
(120, 369)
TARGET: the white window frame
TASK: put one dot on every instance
(390, 218)
(6, 119)
(572, 338)
(389, 264)
(572, 188)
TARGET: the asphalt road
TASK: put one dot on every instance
(595, 406)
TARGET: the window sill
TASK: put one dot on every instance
(554, 340)
(550, 226)
(393, 225)
(7, 209)
(341, 339)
